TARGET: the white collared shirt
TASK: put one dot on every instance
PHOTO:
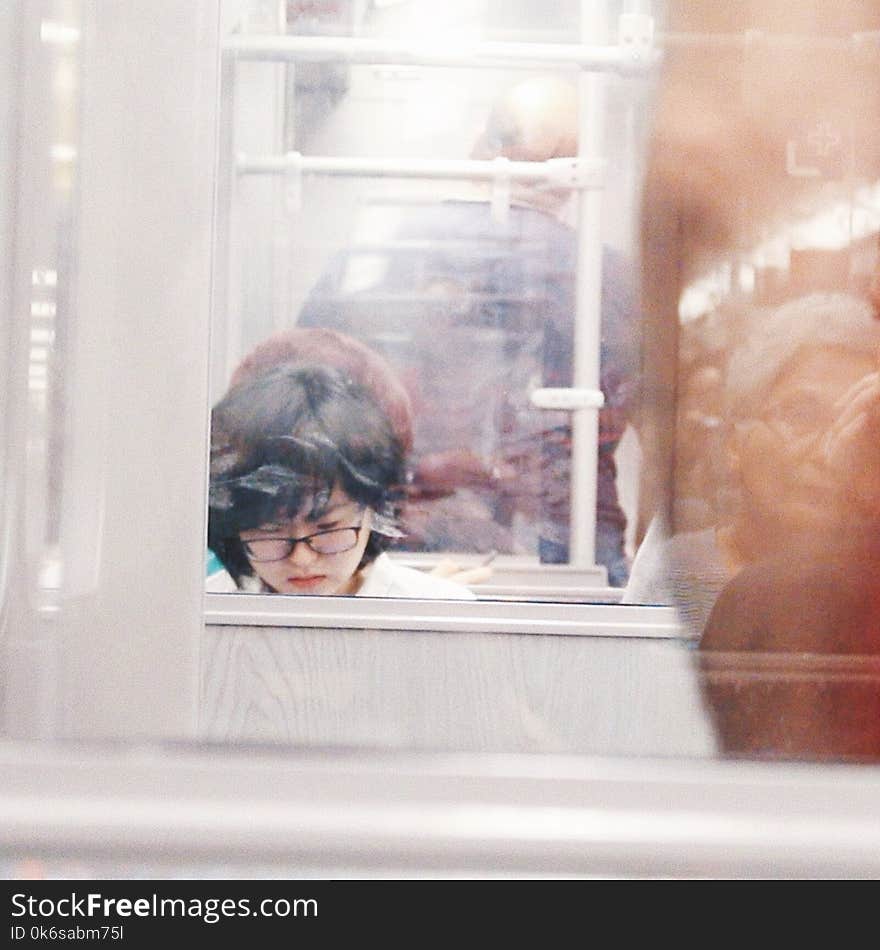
(383, 578)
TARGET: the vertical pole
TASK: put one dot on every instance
(587, 335)
(258, 260)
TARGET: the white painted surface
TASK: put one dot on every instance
(134, 467)
(474, 692)
(256, 813)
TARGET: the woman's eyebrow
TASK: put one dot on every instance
(266, 527)
(334, 511)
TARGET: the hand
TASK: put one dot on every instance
(462, 575)
(852, 445)
(874, 289)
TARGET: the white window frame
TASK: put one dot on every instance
(449, 616)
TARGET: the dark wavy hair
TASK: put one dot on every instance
(282, 441)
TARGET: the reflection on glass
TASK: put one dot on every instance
(53, 276)
(763, 184)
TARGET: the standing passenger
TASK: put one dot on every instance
(475, 313)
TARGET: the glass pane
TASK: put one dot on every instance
(427, 200)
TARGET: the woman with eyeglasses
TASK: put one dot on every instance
(307, 487)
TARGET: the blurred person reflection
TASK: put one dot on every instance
(490, 308)
(739, 96)
(790, 654)
(781, 397)
(790, 651)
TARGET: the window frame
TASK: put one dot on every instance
(449, 616)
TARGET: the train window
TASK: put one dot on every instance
(418, 270)
(465, 211)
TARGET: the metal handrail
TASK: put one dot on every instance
(355, 49)
(571, 173)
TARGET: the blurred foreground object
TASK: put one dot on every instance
(790, 658)
(765, 146)
(769, 486)
(739, 96)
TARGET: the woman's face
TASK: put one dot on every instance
(305, 570)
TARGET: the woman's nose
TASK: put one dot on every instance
(301, 554)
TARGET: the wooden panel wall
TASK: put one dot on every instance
(451, 691)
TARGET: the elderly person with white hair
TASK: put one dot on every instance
(787, 387)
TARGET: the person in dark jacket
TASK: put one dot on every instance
(475, 312)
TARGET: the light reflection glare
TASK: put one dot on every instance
(43, 308)
(58, 34)
(834, 228)
(44, 277)
(63, 153)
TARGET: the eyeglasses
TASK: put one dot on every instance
(334, 541)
